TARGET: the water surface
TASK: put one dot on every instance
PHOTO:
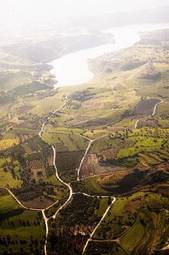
(72, 69)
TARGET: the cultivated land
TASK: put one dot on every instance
(84, 169)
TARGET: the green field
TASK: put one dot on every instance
(19, 228)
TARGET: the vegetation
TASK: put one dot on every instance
(22, 231)
(120, 123)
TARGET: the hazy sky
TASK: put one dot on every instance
(16, 15)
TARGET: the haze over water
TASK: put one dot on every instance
(72, 69)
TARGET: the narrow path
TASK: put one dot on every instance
(153, 113)
(91, 141)
(88, 195)
(20, 203)
(98, 225)
(42, 129)
(81, 162)
(155, 107)
(47, 119)
(136, 124)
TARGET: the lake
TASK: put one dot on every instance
(72, 69)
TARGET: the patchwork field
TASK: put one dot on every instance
(28, 169)
(67, 152)
(132, 222)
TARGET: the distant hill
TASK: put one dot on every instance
(155, 15)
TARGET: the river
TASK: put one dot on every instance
(72, 69)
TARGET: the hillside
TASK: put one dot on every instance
(84, 169)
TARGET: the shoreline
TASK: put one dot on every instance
(74, 68)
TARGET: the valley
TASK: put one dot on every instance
(84, 169)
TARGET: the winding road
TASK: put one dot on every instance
(57, 176)
(46, 219)
(153, 113)
(64, 183)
